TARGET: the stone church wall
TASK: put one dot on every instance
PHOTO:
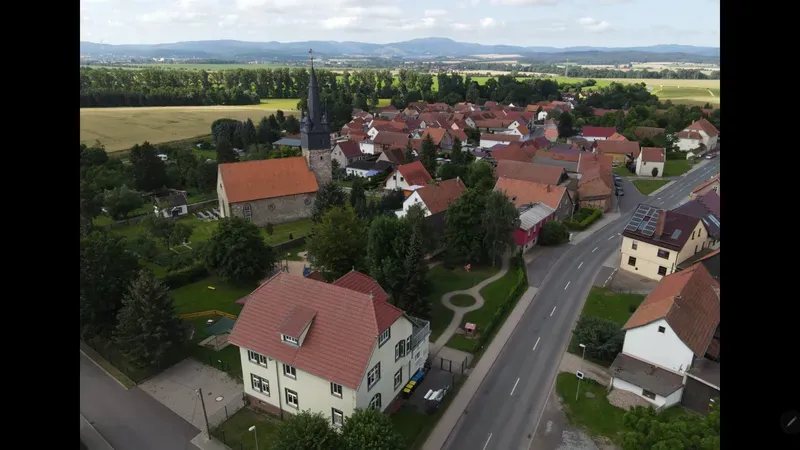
(277, 210)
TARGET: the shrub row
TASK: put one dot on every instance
(179, 278)
(589, 216)
(497, 318)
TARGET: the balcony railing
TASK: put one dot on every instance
(422, 329)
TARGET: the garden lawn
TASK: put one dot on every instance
(676, 167)
(408, 422)
(196, 297)
(235, 431)
(443, 281)
(607, 304)
(463, 300)
(281, 232)
(597, 415)
(647, 187)
(623, 171)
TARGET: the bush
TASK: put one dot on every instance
(554, 233)
(603, 338)
(654, 172)
(179, 278)
(584, 218)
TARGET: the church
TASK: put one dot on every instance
(281, 190)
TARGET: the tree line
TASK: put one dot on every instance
(601, 72)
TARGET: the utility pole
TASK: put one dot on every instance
(205, 414)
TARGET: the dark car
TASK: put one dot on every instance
(620, 192)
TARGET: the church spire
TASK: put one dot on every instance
(314, 118)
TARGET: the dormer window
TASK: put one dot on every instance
(290, 339)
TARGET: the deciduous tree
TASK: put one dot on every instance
(553, 233)
(480, 176)
(305, 431)
(357, 194)
(500, 219)
(149, 171)
(337, 244)
(329, 196)
(370, 429)
(225, 152)
(647, 429)
(603, 338)
(566, 125)
(122, 201)
(148, 330)
(463, 227)
(237, 252)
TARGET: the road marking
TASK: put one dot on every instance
(579, 265)
(537, 342)
(551, 312)
(595, 249)
(487, 441)
(512, 389)
(612, 237)
(565, 287)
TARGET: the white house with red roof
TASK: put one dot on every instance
(707, 131)
(650, 158)
(329, 348)
(408, 177)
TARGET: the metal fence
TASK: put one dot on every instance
(230, 408)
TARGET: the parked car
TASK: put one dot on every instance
(620, 192)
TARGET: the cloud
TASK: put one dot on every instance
(488, 22)
(434, 12)
(339, 23)
(524, 2)
(593, 25)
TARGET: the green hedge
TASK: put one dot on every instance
(179, 278)
(585, 217)
(513, 295)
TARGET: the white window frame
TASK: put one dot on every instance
(259, 384)
(289, 394)
(374, 376)
(290, 371)
(384, 337)
(257, 358)
(290, 340)
(334, 414)
(336, 389)
(398, 378)
(376, 402)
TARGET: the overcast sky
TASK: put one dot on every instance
(556, 23)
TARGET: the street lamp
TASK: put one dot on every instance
(583, 355)
(253, 429)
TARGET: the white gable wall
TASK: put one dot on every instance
(411, 200)
(396, 180)
(665, 350)
(401, 330)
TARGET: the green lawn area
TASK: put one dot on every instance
(197, 198)
(676, 167)
(291, 253)
(196, 297)
(493, 297)
(599, 417)
(647, 187)
(443, 281)
(623, 171)
(462, 300)
(234, 432)
(408, 422)
(282, 231)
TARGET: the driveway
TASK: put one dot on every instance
(130, 420)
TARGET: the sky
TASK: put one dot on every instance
(551, 23)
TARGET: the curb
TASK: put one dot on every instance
(105, 371)
(661, 188)
(97, 436)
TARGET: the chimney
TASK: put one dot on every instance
(660, 224)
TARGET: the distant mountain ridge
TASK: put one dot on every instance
(423, 48)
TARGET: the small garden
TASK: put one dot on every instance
(599, 325)
(583, 218)
(442, 281)
(235, 432)
(647, 187)
(676, 167)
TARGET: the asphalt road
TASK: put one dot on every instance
(504, 412)
(130, 420)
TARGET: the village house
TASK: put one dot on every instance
(387, 140)
(173, 204)
(597, 133)
(671, 350)
(708, 133)
(655, 241)
(650, 158)
(408, 177)
(522, 131)
(689, 141)
(523, 193)
(367, 147)
(568, 161)
(531, 220)
(617, 137)
(346, 153)
(709, 259)
(291, 333)
(388, 112)
(595, 185)
(434, 198)
(712, 184)
(440, 137)
(360, 168)
(528, 171)
(489, 140)
(512, 153)
(705, 207)
(395, 156)
(620, 151)
(284, 189)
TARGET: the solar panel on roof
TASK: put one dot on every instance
(675, 234)
(713, 219)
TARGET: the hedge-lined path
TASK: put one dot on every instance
(459, 311)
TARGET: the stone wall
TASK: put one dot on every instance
(277, 210)
(319, 161)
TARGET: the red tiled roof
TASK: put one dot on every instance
(439, 196)
(689, 135)
(316, 275)
(643, 132)
(523, 192)
(529, 171)
(617, 147)
(436, 134)
(342, 336)
(510, 153)
(268, 178)
(351, 149)
(653, 154)
(617, 137)
(458, 134)
(297, 320)
(393, 140)
(492, 123)
(359, 282)
(415, 174)
(598, 131)
(689, 303)
(704, 125)
(396, 155)
(500, 137)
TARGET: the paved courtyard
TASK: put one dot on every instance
(625, 281)
(177, 387)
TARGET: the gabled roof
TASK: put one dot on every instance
(617, 147)
(392, 139)
(268, 178)
(492, 123)
(694, 135)
(359, 282)
(460, 134)
(350, 149)
(509, 153)
(528, 171)
(440, 195)
(595, 181)
(604, 132)
(707, 209)
(340, 340)
(703, 125)
(541, 142)
(499, 137)
(361, 165)
(415, 174)
(533, 215)
(617, 137)
(673, 228)
(700, 187)
(522, 192)
(436, 134)
(653, 154)
(298, 319)
(689, 302)
(395, 155)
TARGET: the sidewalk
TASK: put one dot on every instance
(595, 227)
(92, 438)
(453, 413)
(203, 443)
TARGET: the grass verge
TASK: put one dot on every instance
(235, 433)
(443, 281)
(623, 171)
(107, 366)
(597, 415)
(647, 187)
(676, 167)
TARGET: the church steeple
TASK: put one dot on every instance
(315, 133)
(315, 120)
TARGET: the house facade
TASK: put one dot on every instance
(407, 175)
(347, 152)
(434, 198)
(172, 205)
(525, 193)
(286, 340)
(532, 219)
(656, 241)
(650, 158)
(708, 132)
